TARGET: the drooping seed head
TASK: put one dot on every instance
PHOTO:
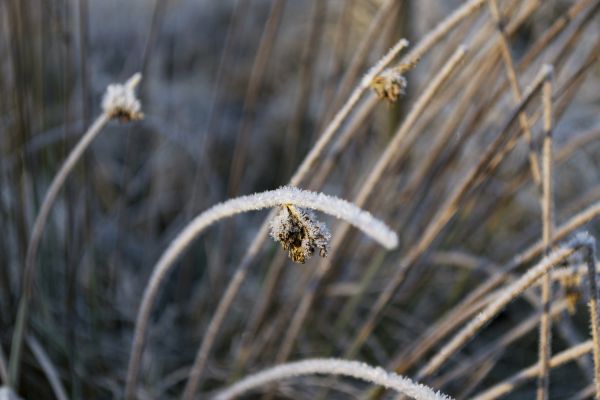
(572, 287)
(300, 233)
(390, 84)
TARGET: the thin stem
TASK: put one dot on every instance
(34, 242)
(594, 311)
(545, 339)
(49, 369)
(516, 89)
(119, 101)
(519, 378)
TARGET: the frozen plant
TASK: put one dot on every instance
(300, 233)
(120, 101)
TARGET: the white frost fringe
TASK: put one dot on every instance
(333, 366)
(332, 205)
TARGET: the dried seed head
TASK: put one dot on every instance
(389, 84)
(571, 284)
(300, 233)
(120, 101)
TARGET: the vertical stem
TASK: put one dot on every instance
(516, 89)
(545, 340)
(594, 316)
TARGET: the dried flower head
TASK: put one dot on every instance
(120, 101)
(391, 83)
(299, 232)
(571, 284)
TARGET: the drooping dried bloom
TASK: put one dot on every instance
(571, 284)
(391, 83)
(120, 101)
(300, 233)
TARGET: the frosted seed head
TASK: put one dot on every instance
(571, 284)
(390, 84)
(300, 233)
(120, 101)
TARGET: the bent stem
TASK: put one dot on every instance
(117, 102)
(285, 195)
(34, 242)
(333, 366)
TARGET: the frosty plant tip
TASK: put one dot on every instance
(120, 101)
(391, 83)
(299, 232)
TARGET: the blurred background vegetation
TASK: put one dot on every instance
(235, 92)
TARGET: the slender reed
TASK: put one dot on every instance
(49, 369)
(516, 89)
(580, 241)
(590, 260)
(499, 346)
(527, 374)
(119, 102)
(3, 368)
(282, 196)
(333, 366)
(255, 81)
(545, 340)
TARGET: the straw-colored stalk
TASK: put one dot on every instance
(516, 89)
(581, 241)
(545, 341)
(529, 373)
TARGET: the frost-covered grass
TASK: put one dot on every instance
(467, 160)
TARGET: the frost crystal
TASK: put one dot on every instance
(120, 101)
(300, 233)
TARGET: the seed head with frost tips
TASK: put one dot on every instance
(299, 232)
(391, 83)
(120, 101)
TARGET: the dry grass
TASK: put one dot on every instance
(478, 147)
